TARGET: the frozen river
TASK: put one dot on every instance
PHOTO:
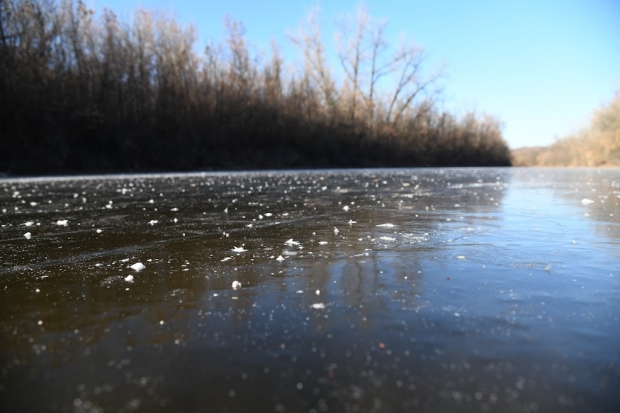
(433, 290)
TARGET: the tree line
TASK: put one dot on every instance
(82, 93)
(596, 145)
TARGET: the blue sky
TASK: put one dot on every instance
(540, 66)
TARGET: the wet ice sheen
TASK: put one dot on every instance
(356, 291)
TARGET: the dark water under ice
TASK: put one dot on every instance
(434, 290)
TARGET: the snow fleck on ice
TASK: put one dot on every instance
(137, 266)
(587, 201)
(29, 223)
(174, 209)
(129, 278)
(280, 258)
(336, 231)
(390, 239)
(318, 306)
(351, 222)
(62, 222)
(153, 222)
(226, 259)
(27, 235)
(318, 292)
(292, 242)
(239, 249)
(236, 285)
(268, 214)
(322, 242)
(387, 225)
(345, 208)
(461, 257)
(99, 231)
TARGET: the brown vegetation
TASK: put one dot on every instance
(84, 94)
(598, 145)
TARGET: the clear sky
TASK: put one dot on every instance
(540, 66)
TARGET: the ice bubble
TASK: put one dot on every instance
(99, 231)
(345, 208)
(27, 235)
(137, 266)
(236, 285)
(318, 306)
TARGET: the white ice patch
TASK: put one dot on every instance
(292, 242)
(336, 231)
(129, 278)
(587, 201)
(318, 306)
(280, 258)
(239, 249)
(137, 266)
(153, 222)
(62, 222)
(268, 214)
(226, 259)
(29, 223)
(389, 239)
(27, 235)
(351, 222)
(345, 208)
(322, 242)
(99, 231)
(386, 225)
(236, 285)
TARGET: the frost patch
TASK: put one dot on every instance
(137, 266)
